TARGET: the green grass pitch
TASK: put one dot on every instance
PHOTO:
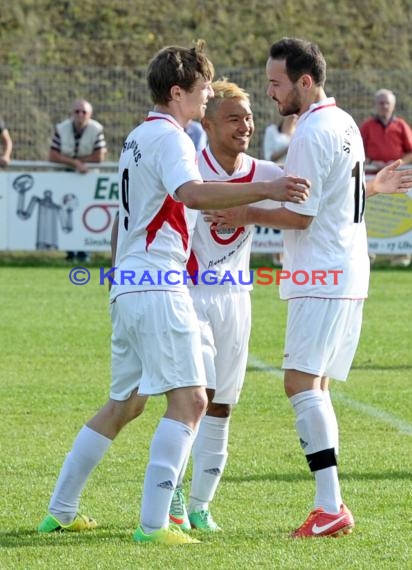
(54, 374)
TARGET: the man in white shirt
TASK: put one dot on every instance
(77, 141)
(156, 345)
(326, 259)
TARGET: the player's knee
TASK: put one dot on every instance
(187, 406)
(296, 381)
(136, 410)
(219, 410)
(289, 388)
(126, 411)
(200, 403)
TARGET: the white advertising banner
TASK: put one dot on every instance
(60, 210)
(267, 240)
(71, 211)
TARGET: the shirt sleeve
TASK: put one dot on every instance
(100, 141)
(307, 158)
(177, 162)
(56, 141)
(407, 142)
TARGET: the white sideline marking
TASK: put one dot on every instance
(400, 425)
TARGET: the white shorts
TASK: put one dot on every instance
(322, 336)
(155, 344)
(225, 319)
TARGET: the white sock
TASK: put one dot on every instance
(182, 473)
(313, 427)
(88, 450)
(170, 445)
(209, 459)
(333, 422)
(328, 494)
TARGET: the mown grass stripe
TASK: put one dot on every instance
(402, 426)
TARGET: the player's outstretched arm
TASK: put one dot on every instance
(217, 195)
(389, 180)
(279, 218)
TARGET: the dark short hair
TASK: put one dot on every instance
(301, 56)
(175, 65)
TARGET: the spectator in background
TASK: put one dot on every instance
(275, 147)
(6, 143)
(77, 141)
(196, 132)
(277, 138)
(387, 138)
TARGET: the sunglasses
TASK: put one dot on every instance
(77, 111)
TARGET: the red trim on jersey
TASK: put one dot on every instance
(248, 177)
(215, 235)
(225, 241)
(209, 162)
(192, 267)
(323, 107)
(164, 119)
(171, 212)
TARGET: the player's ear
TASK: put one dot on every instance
(176, 93)
(306, 81)
(205, 123)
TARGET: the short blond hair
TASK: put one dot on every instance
(224, 89)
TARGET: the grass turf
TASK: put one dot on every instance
(55, 366)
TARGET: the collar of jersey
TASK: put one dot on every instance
(153, 115)
(214, 165)
(328, 102)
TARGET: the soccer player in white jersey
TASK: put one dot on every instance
(223, 310)
(326, 234)
(156, 347)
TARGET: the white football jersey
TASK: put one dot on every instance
(223, 255)
(154, 228)
(327, 149)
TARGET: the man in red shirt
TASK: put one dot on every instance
(387, 138)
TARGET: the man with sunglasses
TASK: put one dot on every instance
(77, 141)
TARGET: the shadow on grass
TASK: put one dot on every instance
(371, 366)
(30, 537)
(49, 259)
